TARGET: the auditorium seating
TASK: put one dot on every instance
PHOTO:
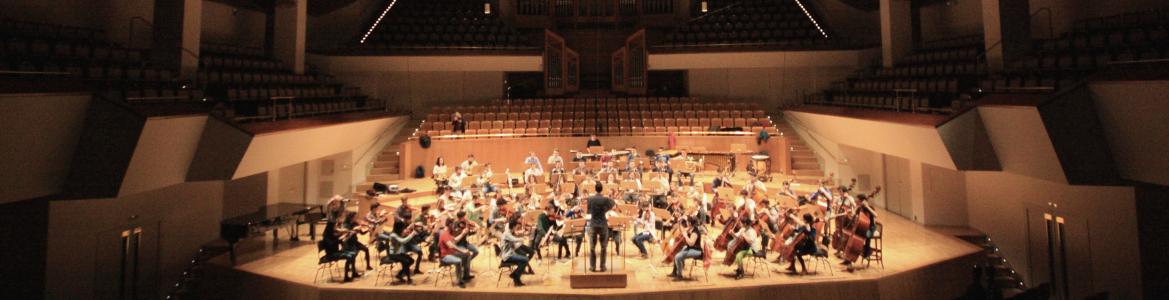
(1092, 44)
(260, 88)
(605, 116)
(50, 57)
(733, 23)
(927, 80)
(439, 25)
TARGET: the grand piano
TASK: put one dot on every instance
(272, 217)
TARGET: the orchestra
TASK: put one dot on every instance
(519, 217)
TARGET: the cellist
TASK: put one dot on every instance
(750, 237)
(805, 246)
(865, 210)
(692, 248)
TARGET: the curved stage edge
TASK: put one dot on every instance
(919, 264)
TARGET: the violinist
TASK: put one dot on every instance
(644, 228)
(469, 228)
(403, 216)
(349, 238)
(543, 225)
(374, 220)
(400, 247)
(332, 241)
(452, 253)
(747, 235)
(805, 246)
(335, 208)
(692, 243)
(556, 234)
(485, 178)
(510, 246)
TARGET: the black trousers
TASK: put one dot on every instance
(401, 258)
(598, 234)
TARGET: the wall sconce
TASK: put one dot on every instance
(486, 8)
(704, 7)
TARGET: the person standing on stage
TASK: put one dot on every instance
(598, 230)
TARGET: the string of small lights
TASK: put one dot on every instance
(378, 21)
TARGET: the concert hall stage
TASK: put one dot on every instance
(919, 264)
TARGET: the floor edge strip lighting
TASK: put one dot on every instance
(806, 13)
(379, 20)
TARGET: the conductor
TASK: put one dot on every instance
(599, 206)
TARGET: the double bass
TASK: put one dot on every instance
(846, 221)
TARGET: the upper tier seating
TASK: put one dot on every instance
(734, 23)
(927, 80)
(439, 25)
(1091, 44)
(49, 57)
(260, 88)
(612, 116)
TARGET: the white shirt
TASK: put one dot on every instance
(468, 164)
(457, 179)
(439, 171)
(554, 159)
(645, 223)
(749, 234)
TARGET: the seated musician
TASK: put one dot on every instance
(745, 202)
(469, 164)
(644, 228)
(455, 181)
(509, 246)
(555, 158)
(556, 235)
(787, 189)
(593, 141)
(352, 227)
(581, 169)
(399, 249)
(750, 237)
(453, 254)
(806, 246)
(543, 225)
(607, 168)
(772, 223)
(471, 228)
(533, 160)
(661, 188)
(332, 240)
(723, 179)
(632, 195)
(756, 186)
(692, 243)
(863, 206)
(485, 178)
(335, 208)
(375, 218)
(533, 172)
(439, 174)
(685, 172)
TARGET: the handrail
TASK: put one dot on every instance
(15, 72)
(815, 140)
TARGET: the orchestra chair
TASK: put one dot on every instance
(757, 262)
(878, 245)
(326, 263)
(504, 268)
(442, 269)
(383, 269)
(821, 258)
(693, 263)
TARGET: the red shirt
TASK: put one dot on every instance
(443, 238)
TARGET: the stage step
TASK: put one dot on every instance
(806, 165)
(808, 172)
(382, 178)
(385, 163)
(804, 159)
(385, 171)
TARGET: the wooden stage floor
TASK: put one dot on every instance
(911, 251)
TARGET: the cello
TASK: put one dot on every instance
(844, 222)
(854, 243)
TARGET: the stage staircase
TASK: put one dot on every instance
(999, 275)
(805, 167)
(387, 166)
